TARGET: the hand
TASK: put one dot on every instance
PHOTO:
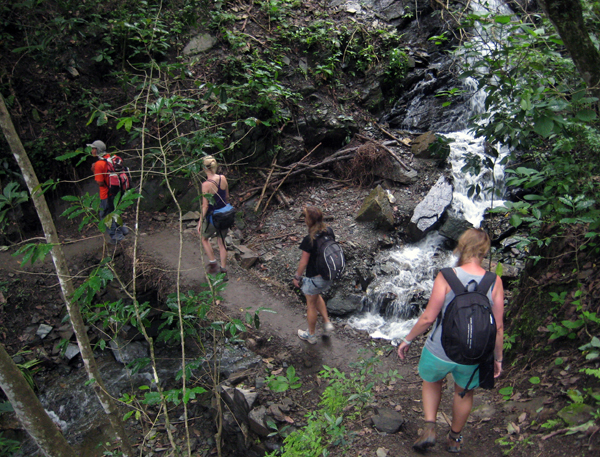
(296, 283)
(403, 350)
(497, 368)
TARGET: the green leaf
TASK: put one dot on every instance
(543, 126)
(69, 155)
(502, 19)
(586, 115)
(534, 380)
(515, 220)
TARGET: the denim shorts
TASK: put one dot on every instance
(315, 285)
(433, 369)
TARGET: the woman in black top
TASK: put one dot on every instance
(216, 185)
(313, 284)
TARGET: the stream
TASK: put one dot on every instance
(395, 300)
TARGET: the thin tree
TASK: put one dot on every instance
(567, 17)
(64, 277)
(30, 411)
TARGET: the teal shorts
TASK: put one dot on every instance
(433, 369)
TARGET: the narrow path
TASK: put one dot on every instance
(242, 293)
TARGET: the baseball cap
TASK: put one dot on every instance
(99, 145)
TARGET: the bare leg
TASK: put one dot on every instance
(461, 408)
(208, 249)
(432, 395)
(222, 252)
(311, 312)
(322, 308)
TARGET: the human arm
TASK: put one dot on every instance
(206, 189)
(301, 268)
(100, 172)
(498, 310)
(226, 184)
(432, 310)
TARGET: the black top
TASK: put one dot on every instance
(220, 197)
(311, 247)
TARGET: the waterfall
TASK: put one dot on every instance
(393, 302)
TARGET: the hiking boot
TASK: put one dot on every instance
(454, 442)
(305, 336)
(328, 328)
(212, 268)
(224, 270)
(426, 438)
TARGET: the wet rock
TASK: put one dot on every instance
(420, 145)
(428, 214)
(387, 420)
(377, 208)
(341, 305)
(364, 279)
(454, 226)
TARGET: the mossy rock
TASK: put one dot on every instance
(576, 414)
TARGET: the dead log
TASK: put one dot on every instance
(392, 153)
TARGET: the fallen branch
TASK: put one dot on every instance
(266, 183)
(285, 177)
(392, 153)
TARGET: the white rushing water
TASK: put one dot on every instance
(396, 300)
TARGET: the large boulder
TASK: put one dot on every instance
(420, 145)
(395, 172)
(428, 214)
(454, 226)
(376, 208)
(341, 305)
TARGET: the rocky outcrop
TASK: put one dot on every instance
(428, 214)
(376, 208)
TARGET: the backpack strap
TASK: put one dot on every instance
(466, 389)
(486, 282)
(218, 184)
(450, 276)
(458, 287)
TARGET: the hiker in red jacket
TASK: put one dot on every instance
(100, 169)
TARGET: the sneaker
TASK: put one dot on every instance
(328, 328)
(305, 336)
(454, 442)
(224, 270)
(212, 268)
(426, 438)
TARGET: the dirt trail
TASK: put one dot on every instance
(242, 293)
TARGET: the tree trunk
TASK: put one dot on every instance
(30, 411)
(567, 17)
(64, 277)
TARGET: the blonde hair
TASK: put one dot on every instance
(472, 243)
(210, 163)
(314, 219)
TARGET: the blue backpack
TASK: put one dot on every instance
(223, 218)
